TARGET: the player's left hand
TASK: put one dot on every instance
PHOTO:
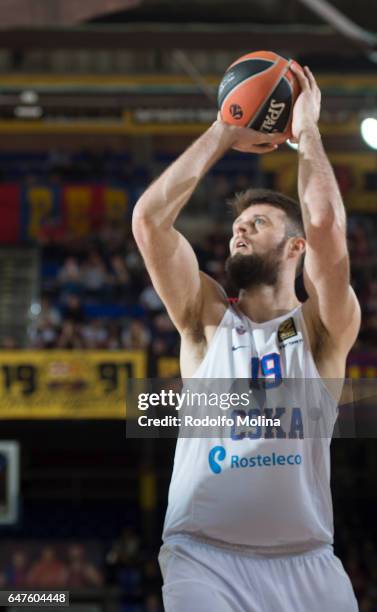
(307, 108)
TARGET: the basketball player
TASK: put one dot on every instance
(257, 539)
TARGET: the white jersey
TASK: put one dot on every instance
(243, 489)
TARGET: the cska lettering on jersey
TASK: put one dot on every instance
(292, 427)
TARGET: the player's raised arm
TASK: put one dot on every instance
(169, 258)
(326, 269)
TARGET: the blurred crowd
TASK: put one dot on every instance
(96, 293)
(58, 165)
(95, 290)
(136, 576)
(81, 567)
(44, 566)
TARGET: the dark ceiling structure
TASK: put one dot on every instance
(25, 13)
(303, 27)
(335, 37)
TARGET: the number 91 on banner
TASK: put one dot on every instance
(67, 384)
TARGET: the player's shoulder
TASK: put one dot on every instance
(212, 289)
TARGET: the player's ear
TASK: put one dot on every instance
(297, 246)
(301, 244)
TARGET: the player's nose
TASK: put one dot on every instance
(240, 228)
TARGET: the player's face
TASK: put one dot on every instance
(257, 247)
(258, 229)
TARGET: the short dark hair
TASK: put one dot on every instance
(291, 207)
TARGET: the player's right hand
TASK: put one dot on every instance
(247, 140)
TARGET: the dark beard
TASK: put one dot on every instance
(254, 270)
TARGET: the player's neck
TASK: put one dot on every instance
(265, 303)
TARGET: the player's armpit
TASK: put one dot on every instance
(327, 281)
(174, 271)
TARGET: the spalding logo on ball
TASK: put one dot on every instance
(259, 91)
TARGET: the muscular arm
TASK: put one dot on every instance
(168, 256)
(327, 270)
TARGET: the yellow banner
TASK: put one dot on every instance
(168, 367)
(67, 384)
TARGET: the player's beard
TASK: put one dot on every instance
(254, 270)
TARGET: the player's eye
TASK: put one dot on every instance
(259, 220)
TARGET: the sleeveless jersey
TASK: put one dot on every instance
(265, 494)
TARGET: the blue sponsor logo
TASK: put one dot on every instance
(216, 454)
(264, 460)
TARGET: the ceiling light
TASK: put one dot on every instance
(368, 130)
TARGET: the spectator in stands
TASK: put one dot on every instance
(48, 570)
(215, 264)
(112, 237)
(44, 329)
(164, 331)
(220, 190)
(73, 310)
(95, 277)
(126, 549)
(113, 337)
(80, 572)
(371, 298)
(70, 337)
(44, 335)
(124, 559)
(135, 335)
(159, 348)
(133, 259)
(17, 572)
(120, 277)
(150, 300)
(9, 343)
(95, 334)
(360, 247)
(48, 313)
(69, 276)
(368, 333)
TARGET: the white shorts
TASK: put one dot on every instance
(201, 577)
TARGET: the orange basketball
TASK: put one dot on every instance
(258, 91)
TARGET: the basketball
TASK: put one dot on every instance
(259, 91)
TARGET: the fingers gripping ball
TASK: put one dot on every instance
(259, 91)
